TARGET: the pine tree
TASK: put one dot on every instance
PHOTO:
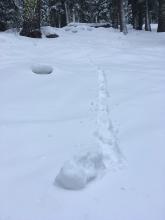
(45, 13)
(8, 14)
(57, 15)
(3, 24)
(161, 21)
(31, 18)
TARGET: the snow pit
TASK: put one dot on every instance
(42, 69)
(77, 173)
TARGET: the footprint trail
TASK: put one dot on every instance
(105, 133)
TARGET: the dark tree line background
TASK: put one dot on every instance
(30, 15)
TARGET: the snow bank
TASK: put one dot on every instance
(77, 173)
(42, 69)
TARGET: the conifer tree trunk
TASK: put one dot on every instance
(53, 16)
(67, 13)
(122, 16)
(134, 13)
(115, 14)
(31, 18)
(147, 17)
(58, 13)
(161, 20)
(3, 25)
(137, 14)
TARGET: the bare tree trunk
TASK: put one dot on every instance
(59, 20)
(140, 17)
(161, 21)
(74, 16)
(123, 22)
(3, 26)
(67, 13)
(53, 17)
(137, 14)
(134, 14)
(147, 17)
(115, 14)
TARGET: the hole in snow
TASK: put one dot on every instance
(42, 69)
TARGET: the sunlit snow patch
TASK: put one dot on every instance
(78, 172)
(42, 69)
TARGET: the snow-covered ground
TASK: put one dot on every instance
(96, 123)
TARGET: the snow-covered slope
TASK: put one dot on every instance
(105, 100)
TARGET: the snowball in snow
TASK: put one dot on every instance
(42, 69)
(89, 28)
(74, 30)
(77, 173)
(47, 30)
(67, 29)
(71, 176)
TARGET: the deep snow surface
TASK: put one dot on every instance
(105, 100)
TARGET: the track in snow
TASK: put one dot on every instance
(76, 173)
(105, 133)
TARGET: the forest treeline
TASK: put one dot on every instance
(30, 15)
